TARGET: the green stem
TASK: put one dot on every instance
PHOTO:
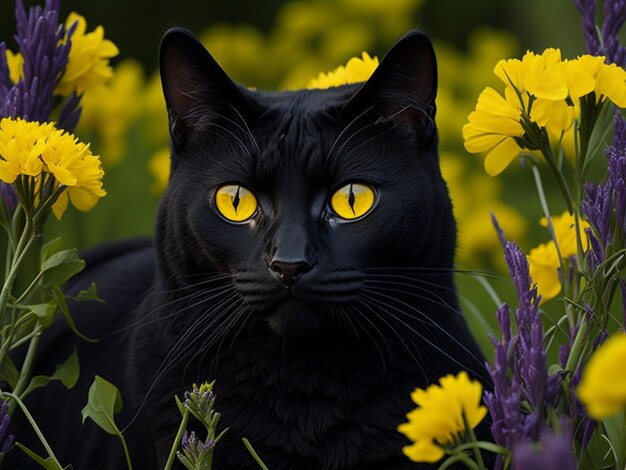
(124, 446)
(26, 242)
(177, 439)
(254, 454)
(460, 457)
(558, 174)
(577, 347)
(28, 361)
(546, 211)
(32, 422)
(29, 288)
(475, 449)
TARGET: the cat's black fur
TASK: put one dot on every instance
(317, 375)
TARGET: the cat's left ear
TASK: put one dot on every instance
(404, 84)
(196, 88)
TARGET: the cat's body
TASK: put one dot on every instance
(316, 327)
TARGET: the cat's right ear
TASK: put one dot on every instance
(195, 87)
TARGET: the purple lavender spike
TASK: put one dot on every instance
(187, 438)
(39, 37)
(5, 78)
(499, 230)
(4, 424)
(614, 17)
(587, 9)
(556, 454)
(70, 113)
(8, 197)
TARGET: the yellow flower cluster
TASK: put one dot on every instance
(356, 70)
(602, 388)
(544, 261)
(439, 420)
(88, 62)
(36, 150)
(542, 89)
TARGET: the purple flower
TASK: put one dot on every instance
(194, 451)
(8, 197)
(520, 369)
(587, 9)
(39, 38)
(5, 444)
(608, 44)
(614, 17)
(555, 453)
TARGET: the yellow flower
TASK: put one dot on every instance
(610, 80)
(438, 420)
(534, 74)
(15, 61)
(602, 388)
(543, 266)
(33, 150)
(356, 70)
(565, 232)
(21, 145)
(492, 129)
(88, 62)
(542, 89)
(74, 166)
(543, 260)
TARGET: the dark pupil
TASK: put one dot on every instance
(236, 199)
(351, 199)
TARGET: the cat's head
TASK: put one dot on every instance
(299, 195)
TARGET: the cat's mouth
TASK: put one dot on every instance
(293, 317)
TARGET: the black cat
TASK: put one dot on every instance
(303, 259)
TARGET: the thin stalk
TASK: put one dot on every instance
(28, 361)
(577, 347)
(255, 456)
(33, 423)
(558, 174)
(475, 449)
(177, 439)
(460, 457)
(27, 240)
(29, 288)
(546, 211)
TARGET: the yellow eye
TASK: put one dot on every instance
(235, 202)
(352, 201)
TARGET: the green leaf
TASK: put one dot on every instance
(45, 312)
(66, 373)
(614, 427)
(47, 463)
(601, 129)
(88, 294)
(8, 371)
(60, 267)
(50, 248)
(65, 311)
(103, 404)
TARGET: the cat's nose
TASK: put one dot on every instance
(289, 271)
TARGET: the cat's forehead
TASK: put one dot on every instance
(306, 100)
(297, 130)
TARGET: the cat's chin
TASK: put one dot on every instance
(294, 318)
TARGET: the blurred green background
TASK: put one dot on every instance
(279, 44)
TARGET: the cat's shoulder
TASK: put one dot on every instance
(123, 273)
